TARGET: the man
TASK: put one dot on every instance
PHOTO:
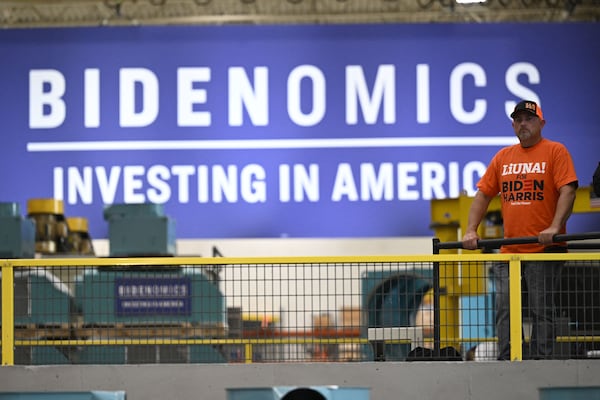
(536, 182)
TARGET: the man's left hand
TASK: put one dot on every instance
(546, 236)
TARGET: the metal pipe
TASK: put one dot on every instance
(496, 243)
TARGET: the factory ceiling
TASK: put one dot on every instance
(71, 13)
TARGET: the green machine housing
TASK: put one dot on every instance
(17, 233)
(42, 303)
(180, 295)
(41, 298)
(391, 298)
(150, 354)
(332, 392)
(137, 230)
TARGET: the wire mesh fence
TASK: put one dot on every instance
(329, 309)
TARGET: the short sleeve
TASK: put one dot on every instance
(489, 182)
(564, 169)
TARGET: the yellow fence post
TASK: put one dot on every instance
(8, 314)
(516, 329)
(248, 353)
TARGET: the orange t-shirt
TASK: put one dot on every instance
(528, 180)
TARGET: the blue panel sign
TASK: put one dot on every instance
(143, 297)
(93, 395)
(285, 131)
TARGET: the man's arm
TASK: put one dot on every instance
(476, 212)
(564, 208)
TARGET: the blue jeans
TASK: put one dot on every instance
(540, 279)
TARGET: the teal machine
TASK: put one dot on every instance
(149, 298)
(42, 311)
(332, 392)
(391, 298)
(17, 234)
(156, 296)
(42, 355)
(147, 301)
(69, 395)
(41, 299)
(136, 230)
(43, 302)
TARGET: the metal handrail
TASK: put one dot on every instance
(497, 243)
(484, 244)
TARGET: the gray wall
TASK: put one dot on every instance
(387, 380)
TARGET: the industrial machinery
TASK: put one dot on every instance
(391, 299)
(41, 299)
(171, 303)
(149, 354)
(42, 309)
(333, 392)
(40, 355)
(140, 230)
(42, 302)
(166, 303)
(51, 230)
(106, 296)
(17, 234)
(66, 395)
(149, 295)
(79, 238)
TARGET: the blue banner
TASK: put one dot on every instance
(284, 131)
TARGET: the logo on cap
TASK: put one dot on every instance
(530, 107)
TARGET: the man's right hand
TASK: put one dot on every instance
(470, 240)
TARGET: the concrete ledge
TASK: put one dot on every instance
(387, 380)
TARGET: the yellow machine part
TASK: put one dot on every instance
(77, 224)
(45, 206)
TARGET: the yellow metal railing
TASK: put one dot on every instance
(9, 267)
(8, 322)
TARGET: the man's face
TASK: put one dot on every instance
(528, 128)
